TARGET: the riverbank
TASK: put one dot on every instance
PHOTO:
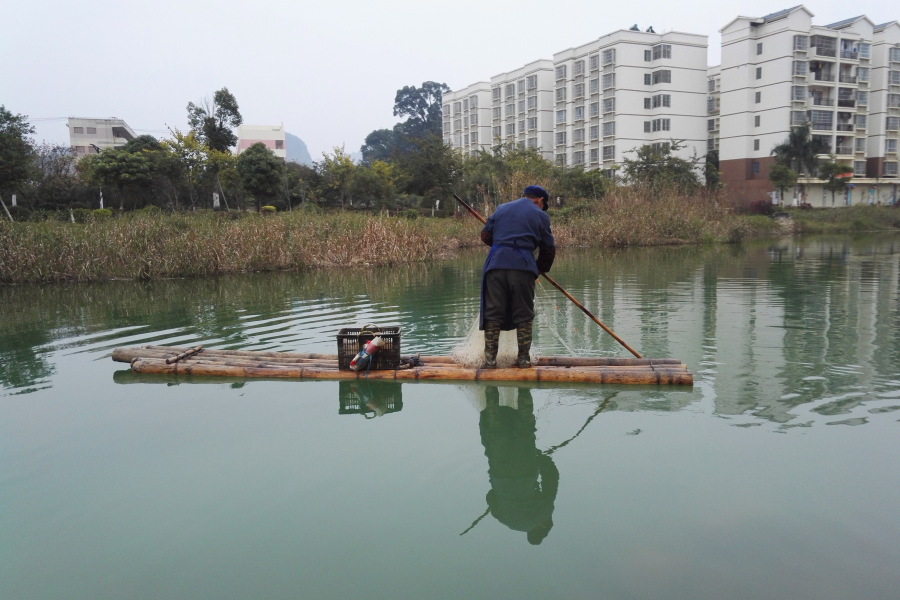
(158, 245)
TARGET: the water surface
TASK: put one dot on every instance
(776, 475)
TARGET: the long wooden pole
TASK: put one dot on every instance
(560, 288)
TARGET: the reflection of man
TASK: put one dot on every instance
(517, 499)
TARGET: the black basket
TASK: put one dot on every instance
(356, 394)
(350, 341)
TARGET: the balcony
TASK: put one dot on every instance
(846, 102)
(843, 150)
(850, 54)
(845, 127)
(819, 76)
(847, 78)
(829, 52)
(822, 126)
(822, 101)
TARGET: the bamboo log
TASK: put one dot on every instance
(573, 361)
(549, 374)
(183, 355)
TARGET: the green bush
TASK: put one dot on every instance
(310, 207)
(18, 212)
(411, 214)
(101, 214)
(151, 209)
(82, 215)
(267, 210)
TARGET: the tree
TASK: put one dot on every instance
(141, 143)
(711, 173)
(782, 178)
(122, 170)
(212, 121)
(337, 170)
(431, 168)
(381, 144)
(187, 150)
(836, 176)
(658, 167)
(422, 107)
(53, 175)
(260, 172)
(800, 150)
(15, 149)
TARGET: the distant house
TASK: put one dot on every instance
(270, 135)
(90, 136)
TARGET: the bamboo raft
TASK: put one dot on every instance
(168, 360)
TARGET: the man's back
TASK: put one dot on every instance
(517, 228)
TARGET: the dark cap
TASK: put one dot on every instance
(538, 192)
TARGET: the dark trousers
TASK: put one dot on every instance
(508, 297)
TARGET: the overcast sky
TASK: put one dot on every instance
(328, 70)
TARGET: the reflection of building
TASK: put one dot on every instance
(90, 136)
(270, 135)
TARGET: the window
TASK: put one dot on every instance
(595, 132)
(511, 129)
(522, 126)
(560, 116)
(801, 42)
(560, 94)
(521, 106)
(860, 144)
(595, 86)
(510, 89)
(578, 135)
(893, 101)
(595, 155)
(466, 104)
(532, 102)
(609, 128)
(647, 78)
(520, 86)
(798, 117)
(648, 55)
(561, 72)
(595, 62)
(475, 138)
(595, 109)
(647, 126)
(759, 72)
(710, 104)
(801, 68)
(531, 82)
(894, 54)
(756, 145)
(890, 168)
(859, 168)
(759, 48)
(457, 108)
(609, 105)
(579, 90)
(647, 102)
(609, 56)
(893, 123)
(865, 51)
(662, 100)
(756, 167)
(279, 144)
(510, 109)
(578, 158)
(861, 121)
(578, 68)
(465, 121)
(579, 113)
(609, 80)
(92, 130)
(473, 102)
(496, 112)
(457, 124)
(473, 120)
(497, 131)
(821, 119)
(758, 97)
(662, 51)
(445, 110)
(466, 139)
(862, 98)
(609, 152)
(862, 74)
(711, 85)
(894, 77)
(711, 125)
(532, 142)
(798, 92)
(710, 144)
(80, 149)
(660, 124)
(532, 123)
(561, 160)
(495, 93)
(890, 146)
(663, 76)
(78, 130)
(756, 120)
(560, 138)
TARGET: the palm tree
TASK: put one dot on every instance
(800, 149)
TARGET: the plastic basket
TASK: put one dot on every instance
(350, 341)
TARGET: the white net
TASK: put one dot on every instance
(469, 352)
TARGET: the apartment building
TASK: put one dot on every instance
(467, 118)
(628, 89)
(522, 107)
(713, 102)
(780, 71)
(271, 135)
(884, 103)
(91, 136)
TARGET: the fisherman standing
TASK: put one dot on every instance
(514, 232)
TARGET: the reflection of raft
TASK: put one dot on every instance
(238, 363)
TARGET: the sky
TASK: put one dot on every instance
(327, 70)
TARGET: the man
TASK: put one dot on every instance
(514, 232)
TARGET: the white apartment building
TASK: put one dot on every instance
(467, 118)
(713, 103)
(91, 136)
(628, 89)
(522, 107)
(779, 71)
(884, 103)
(270, 135)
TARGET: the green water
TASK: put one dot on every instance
(776, 476)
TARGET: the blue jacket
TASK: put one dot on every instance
(514, 232)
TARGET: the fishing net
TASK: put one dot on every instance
(469, 352)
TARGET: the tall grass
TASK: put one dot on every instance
(145, 246)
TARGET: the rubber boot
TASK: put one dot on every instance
(523, 337)
(491, 343)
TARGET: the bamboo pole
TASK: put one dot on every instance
(560, 288)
